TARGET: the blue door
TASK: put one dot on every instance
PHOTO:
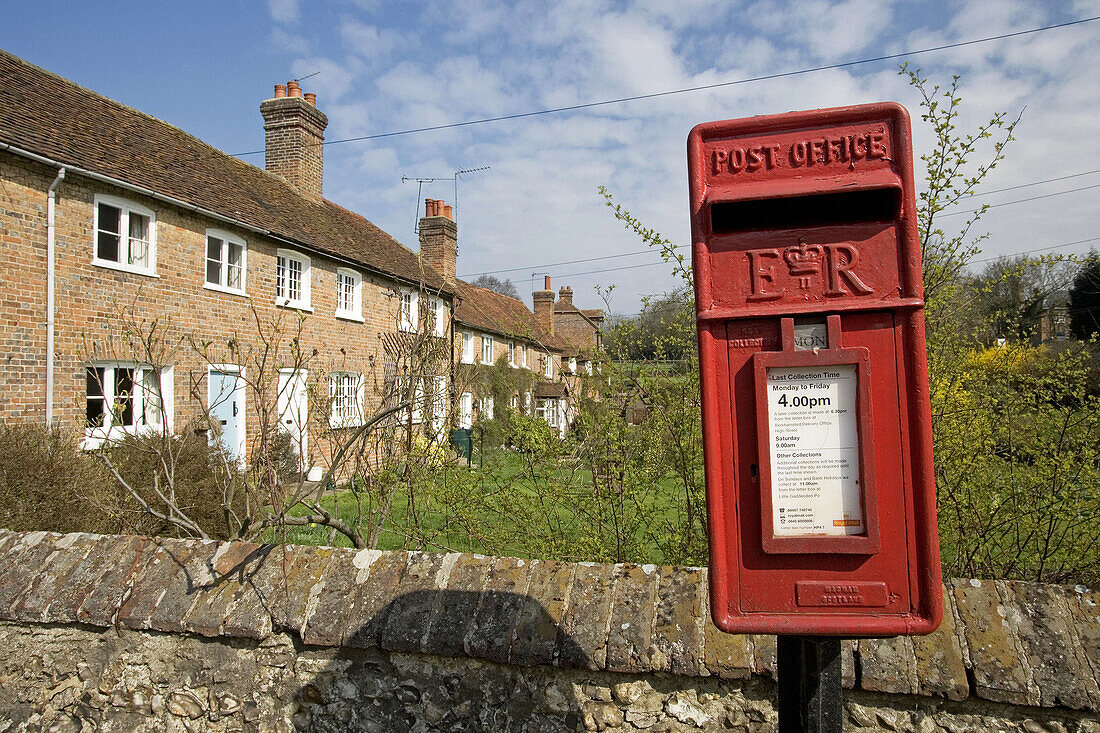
(227, 411)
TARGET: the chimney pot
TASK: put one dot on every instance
(448, 212)
(293, 137)
(439, 238)
(311, 99)
(547, 284)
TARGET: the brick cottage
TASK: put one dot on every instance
(115, 225)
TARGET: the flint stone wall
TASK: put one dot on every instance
(119, 633)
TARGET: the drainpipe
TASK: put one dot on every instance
(51, 200)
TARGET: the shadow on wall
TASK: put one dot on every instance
(445, 660)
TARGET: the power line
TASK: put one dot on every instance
(1021, 201)
(1032, 251)
(680, 246)
(569, 262)
(704, 87)
(1037, 183)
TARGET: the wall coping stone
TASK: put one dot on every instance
(1001, 641)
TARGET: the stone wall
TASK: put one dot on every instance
(115, 633)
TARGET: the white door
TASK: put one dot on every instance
(293, 404)
(226, 395)
(466, 410)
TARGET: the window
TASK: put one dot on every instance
(548, 366)
(402, 387)
(467, 348)
(588, 368)
(547, 409)
(442, 316)
(409, 314)
(487, 407)
(573, 365)
(292, 280)
(346, 393)
(466, 410)
(439, 404)
(225, 268)
(124, 236)
(348, 295)
(523, 356)
(122, 398)
(511, 353)
(486, 349)
(514, 402)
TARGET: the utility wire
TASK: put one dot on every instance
(1037, 183)
(1021, 201)
(569, 262)
(1032, 251)
(681, 246)
(704, 87)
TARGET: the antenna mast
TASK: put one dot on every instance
(453, 177)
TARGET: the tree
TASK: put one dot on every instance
(189, 484)
(491, 282)
(1013, 294)
(664, 330)
(1084, 300)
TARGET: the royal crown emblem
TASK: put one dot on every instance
(803, 261)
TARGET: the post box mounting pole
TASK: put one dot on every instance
(811, 699)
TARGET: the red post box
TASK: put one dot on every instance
(816, 420)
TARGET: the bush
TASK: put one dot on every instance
(47, 483)
(198, 482)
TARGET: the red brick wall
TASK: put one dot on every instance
(91, 301)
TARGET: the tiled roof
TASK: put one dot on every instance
(490, 311)
(551, 389)
(55, 118)
(592, 315)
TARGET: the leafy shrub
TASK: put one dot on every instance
(47, 483)
(192, 474)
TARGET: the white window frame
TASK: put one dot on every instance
(513, 402)
(355, 312)
(283, 299)
(486, 347)
(466, 410)
(442, 316)
(342, 413)
(548, 366)
(523, 356)
(512, 354)
(572, 365)
(109, 430)
(487, 408)
(546, 408)
(467, 347)
(125, 208)
(439, 404)
(408, 310)
(223, 262)
(400, 386)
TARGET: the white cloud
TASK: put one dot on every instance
(283, 11)
(538, 203)
(368, 41)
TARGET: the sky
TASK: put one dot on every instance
(381, 67)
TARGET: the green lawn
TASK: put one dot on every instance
(506, 508)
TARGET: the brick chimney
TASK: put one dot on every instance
(439, 237)
(565, 296)
(544, 306)
(293, 132)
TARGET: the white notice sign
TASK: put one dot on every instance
(814, 450)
